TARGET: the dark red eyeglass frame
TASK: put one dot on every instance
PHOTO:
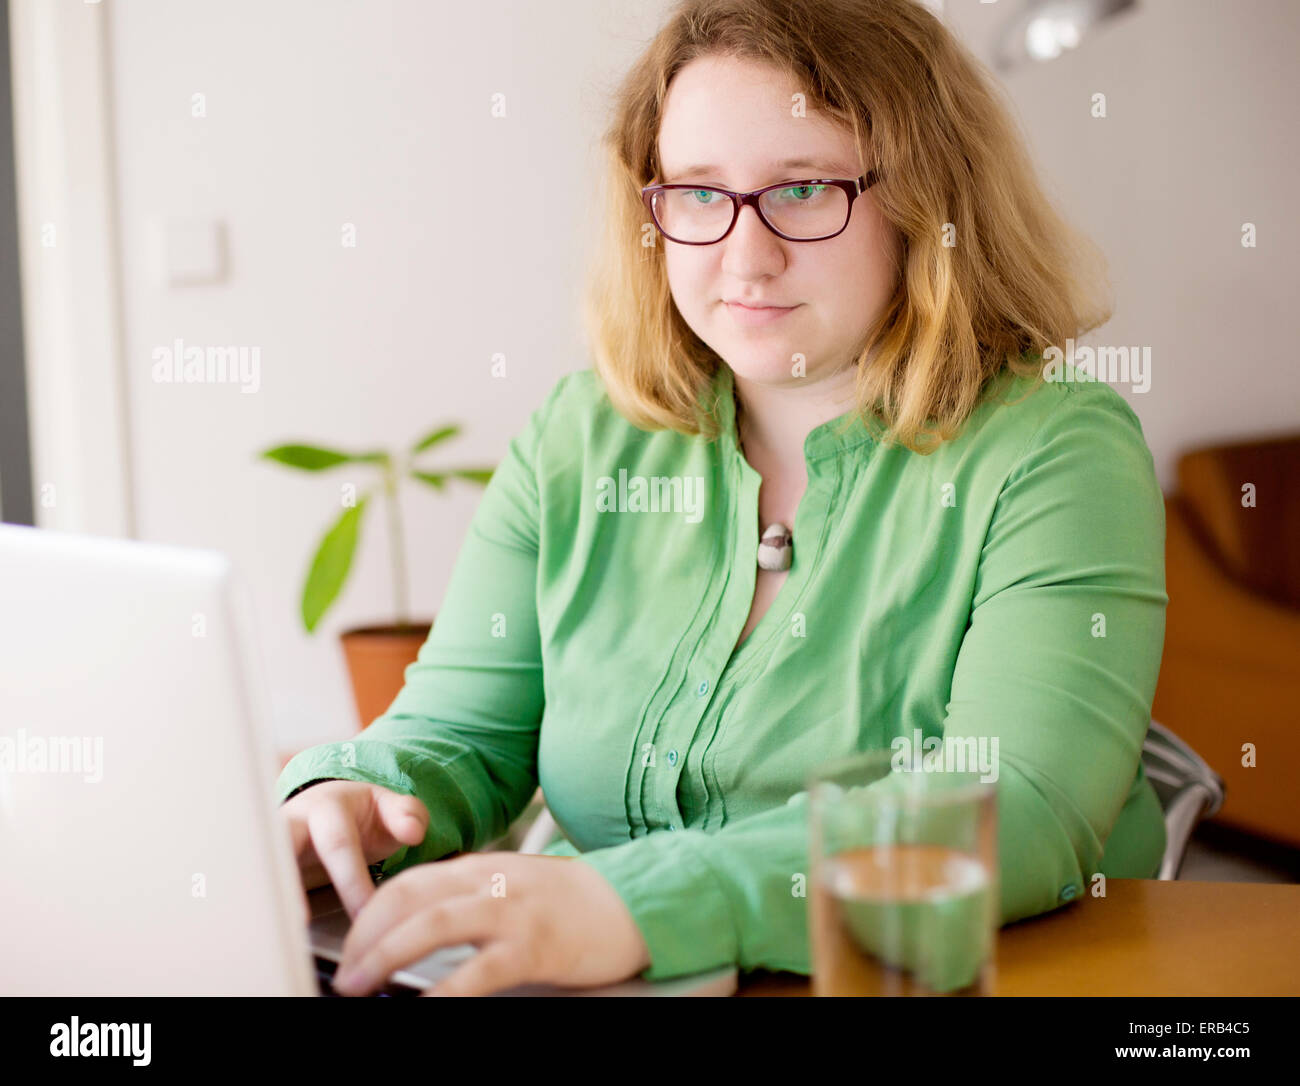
(854, 189)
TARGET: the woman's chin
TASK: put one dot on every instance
(773, 368)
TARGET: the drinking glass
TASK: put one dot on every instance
(904, 877)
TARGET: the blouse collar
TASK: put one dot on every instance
(838, 435)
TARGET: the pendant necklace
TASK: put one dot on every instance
(776, 544)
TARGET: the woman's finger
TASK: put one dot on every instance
(398, 898)
(310, 872)
(337, 841)
(299, 838)
(455, 920)
(496, 967)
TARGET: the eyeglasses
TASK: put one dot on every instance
(812, 210)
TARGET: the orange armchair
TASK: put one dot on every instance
(1230, 674)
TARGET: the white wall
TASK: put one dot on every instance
(377, 114)
(1201, 136)
(321, 112)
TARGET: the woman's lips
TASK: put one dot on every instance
(752, 318)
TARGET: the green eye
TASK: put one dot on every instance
(802, 193)
(703, 192)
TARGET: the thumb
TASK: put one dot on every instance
(405, 817)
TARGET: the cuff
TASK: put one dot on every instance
(675, 898)
(355, 761)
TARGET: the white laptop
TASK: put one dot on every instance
(141, 852)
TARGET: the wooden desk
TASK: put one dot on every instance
(1145, 938)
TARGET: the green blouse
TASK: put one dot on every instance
(1010, 584)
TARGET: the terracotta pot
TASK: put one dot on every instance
(377, 658)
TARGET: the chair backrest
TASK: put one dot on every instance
(1252, 533)
(1188, 790)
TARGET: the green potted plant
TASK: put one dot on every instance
(377, 656)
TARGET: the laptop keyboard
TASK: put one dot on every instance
(325, 970)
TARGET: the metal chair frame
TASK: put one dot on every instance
(1188, 789)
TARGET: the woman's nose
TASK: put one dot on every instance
(751, 243)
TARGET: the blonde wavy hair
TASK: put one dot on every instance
(928, 117)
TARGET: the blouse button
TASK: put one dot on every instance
(703, 688)
(672, 757)
(1069, 892)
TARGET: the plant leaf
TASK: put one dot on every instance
(440, 434)
(330, 566)
(435, 480)
(474, 475)
(315, 458)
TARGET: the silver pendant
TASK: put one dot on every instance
(775, 548)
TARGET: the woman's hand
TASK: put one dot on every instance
(338, 828)
(535, 919)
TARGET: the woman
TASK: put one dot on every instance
(852, 358)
